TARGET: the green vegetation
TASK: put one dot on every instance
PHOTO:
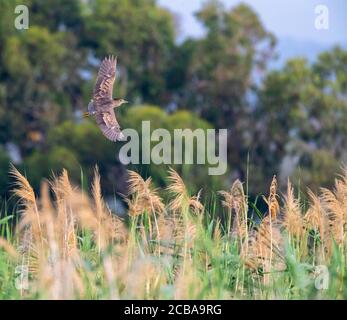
(175, 241)
(288, 122)
(69, 246)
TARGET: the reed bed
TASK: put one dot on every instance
(69, 245)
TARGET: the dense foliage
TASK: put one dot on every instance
(289, 121)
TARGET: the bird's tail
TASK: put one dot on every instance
(86, 114)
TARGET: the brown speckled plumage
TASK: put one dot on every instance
(102, 104)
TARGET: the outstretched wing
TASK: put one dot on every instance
(102, 94)
(109, 126)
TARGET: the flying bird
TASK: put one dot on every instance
(102, 104)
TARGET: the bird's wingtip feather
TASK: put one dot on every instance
(121, 137)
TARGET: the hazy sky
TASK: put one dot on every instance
(286, 19)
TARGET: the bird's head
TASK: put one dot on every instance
(119, 102)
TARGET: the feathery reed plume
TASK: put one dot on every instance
(341, 195)
(30, 213)
(178, 189)
(100, 212)
(96, 191)
(22, 188)
(50, 265)
(271, 201)
(335, 214)
(106, 231)
(236, 203)
(31, 239)
(335, 204)
(267, 248)
(144, 197)
(119, 232)
(195, 205)
(182, 201)
(341, 190)
(59, 268)
(315, 217)
(67, 199)
(43, 234)
(292, 220)
(235, 199)
(185, 229)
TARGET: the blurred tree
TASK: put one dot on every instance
(38, 166)
(301, 119)
(35, 87)
(57, 15)
(291, 123)
(6, 22)
(4, 167)
(196, 176)
(79, 147)
(220, 73)
(39, 78)
(142, 35)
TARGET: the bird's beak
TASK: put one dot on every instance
(125, 101)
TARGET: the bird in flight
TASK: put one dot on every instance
(102, 104)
